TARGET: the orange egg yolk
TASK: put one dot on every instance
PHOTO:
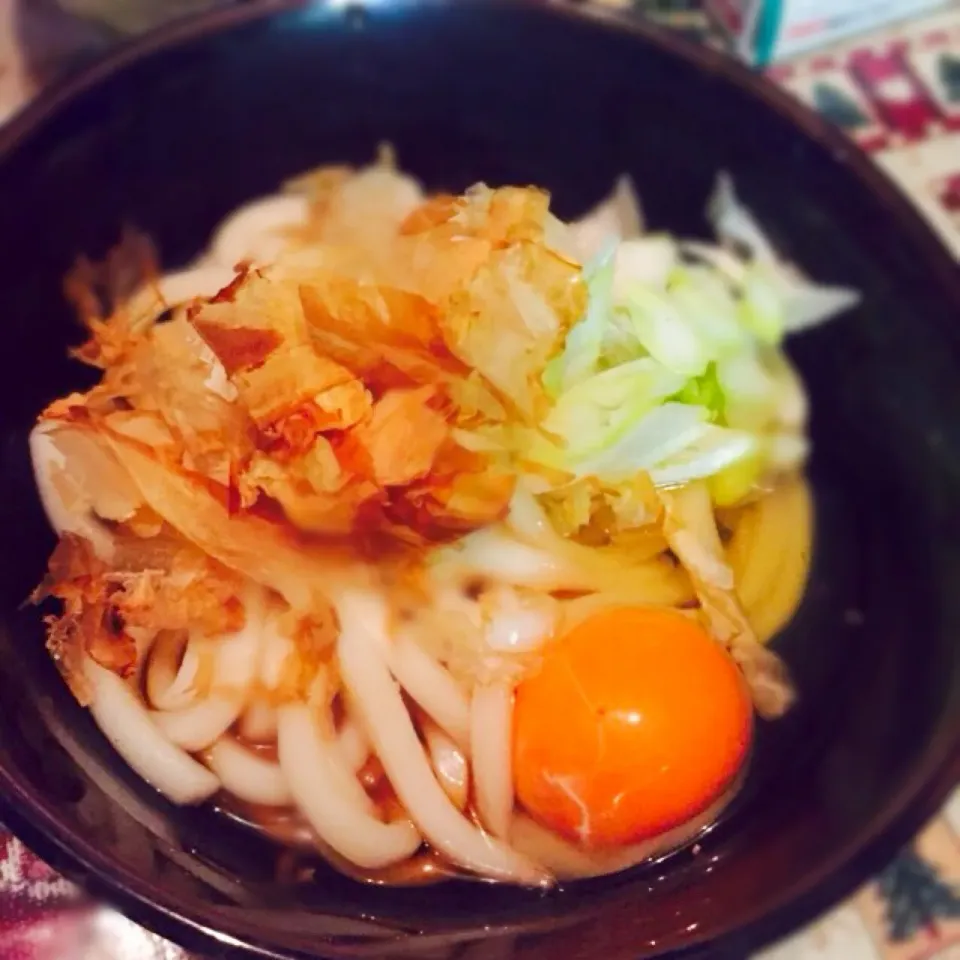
(637, 722)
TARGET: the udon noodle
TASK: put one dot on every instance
(339, 619)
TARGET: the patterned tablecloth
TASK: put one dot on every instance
(897, 93)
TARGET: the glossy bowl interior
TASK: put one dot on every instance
(171, 135)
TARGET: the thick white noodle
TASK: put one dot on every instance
(320, 705)
(449, 763)
(127, 725)
(331, 798)
(491, 728)
(353, 742)
(499, 557)
(493, 553)
(429, 683)
(377, 697)
(518, 623)
(200, 725)
(259, 722)
(248, 776)
(204, 280)
(239, 654)
(73, 474)
(169, 685)
(254, 232)
(528, 520)
(201, 280)
(48, 459)
(276, 655)
(431, 686)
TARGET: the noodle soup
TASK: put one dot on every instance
(434, 534)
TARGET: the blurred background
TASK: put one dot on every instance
(41, 39)
(131, 16)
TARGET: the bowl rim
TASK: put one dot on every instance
(38, 825)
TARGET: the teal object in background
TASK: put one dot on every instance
(768, 30)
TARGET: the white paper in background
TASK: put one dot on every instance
(804, 25)
(807, 24)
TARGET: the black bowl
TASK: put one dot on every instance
(172, 133)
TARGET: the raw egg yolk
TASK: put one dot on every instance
(637, 722)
